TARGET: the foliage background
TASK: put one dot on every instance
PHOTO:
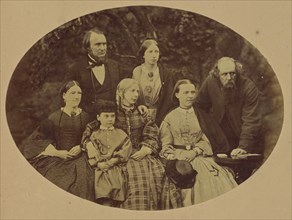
(190, 44)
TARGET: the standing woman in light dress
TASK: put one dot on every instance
(155, 81)
(182, 139)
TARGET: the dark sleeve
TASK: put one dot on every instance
(251, 118)
(39, 139)
(117, 73)
(203, 100)
(213, 132)
(120, 72)
(165, 102)
(169, 84)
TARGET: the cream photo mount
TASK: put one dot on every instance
(269, 191)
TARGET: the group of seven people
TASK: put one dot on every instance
(141, 123)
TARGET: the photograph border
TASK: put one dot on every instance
(267, 195)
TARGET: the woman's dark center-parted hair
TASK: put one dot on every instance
(68, 85)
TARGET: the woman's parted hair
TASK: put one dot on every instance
(144, 46)
(177, 87)
(67, 86)
(86, 38)
(122, 87)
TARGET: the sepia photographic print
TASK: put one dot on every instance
(149, 110)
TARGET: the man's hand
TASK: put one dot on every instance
(238, 151)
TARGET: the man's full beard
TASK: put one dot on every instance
(230, 94)
(230, 85)
(100, 60)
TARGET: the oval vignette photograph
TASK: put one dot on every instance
(145, 108)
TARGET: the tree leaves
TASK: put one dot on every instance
(189, 44)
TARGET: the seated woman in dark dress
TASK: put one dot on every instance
(54, 148)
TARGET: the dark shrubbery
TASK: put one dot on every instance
(189, 43)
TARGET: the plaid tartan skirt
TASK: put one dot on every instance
(148, 186)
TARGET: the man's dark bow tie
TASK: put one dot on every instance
(73, 114)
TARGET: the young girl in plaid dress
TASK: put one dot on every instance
(146, 176)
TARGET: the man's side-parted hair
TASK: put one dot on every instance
(238, 67)
(86, 38)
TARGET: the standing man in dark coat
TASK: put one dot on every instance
(97, 74)
(232, 101)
